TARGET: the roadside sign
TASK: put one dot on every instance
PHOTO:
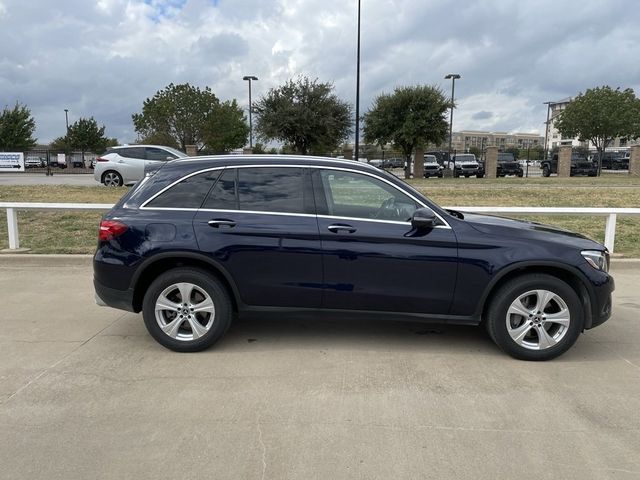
(11, 162)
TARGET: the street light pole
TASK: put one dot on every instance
(66, 118)
(453, 77)
(357, 145)
(248, 78)
(546, 129)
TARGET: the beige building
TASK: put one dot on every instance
(462, 141)
(555, 139)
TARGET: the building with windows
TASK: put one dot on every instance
(462, 141)
(555, 139)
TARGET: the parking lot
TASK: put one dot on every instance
(86, 393)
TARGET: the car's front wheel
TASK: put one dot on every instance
(535, 317)
(546, 171)
(112, 178)
(186, 310)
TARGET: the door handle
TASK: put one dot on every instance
(221, 222)
(340, 227)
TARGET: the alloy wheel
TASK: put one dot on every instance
(112, 179)
(184, 311)
(538, 319)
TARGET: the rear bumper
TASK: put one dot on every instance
(110, 297)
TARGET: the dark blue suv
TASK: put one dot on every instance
(204, 238)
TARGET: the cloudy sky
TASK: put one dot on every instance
(102, 58)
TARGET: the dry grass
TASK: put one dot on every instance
(75, 232)
(56, 232)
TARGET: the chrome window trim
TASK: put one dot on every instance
(288, 214)
(319, 167)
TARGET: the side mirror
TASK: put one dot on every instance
(423, 218)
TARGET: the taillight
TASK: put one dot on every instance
(110, 229)
(101, 159)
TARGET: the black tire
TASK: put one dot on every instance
(496, 319)
(546, 171)
(479, 175)
(111, 178)
(220, 319)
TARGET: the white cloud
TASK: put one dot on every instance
(103, 58)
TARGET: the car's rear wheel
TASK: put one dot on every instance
(535, 317)
(186, 310)
(112, 178)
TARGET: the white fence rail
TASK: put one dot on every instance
(609, 234)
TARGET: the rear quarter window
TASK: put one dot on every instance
(189, 193)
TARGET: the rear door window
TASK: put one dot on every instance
(132, 152)
(271, 189)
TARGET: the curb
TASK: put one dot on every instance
(44, 260)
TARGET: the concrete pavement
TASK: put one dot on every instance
(86, 393)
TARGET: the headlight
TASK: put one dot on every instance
(597, 259)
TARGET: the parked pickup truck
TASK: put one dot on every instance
(614, 160)
(431, 167)
(507, 165)
(464, 165)
(580, 165)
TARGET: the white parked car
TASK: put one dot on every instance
(126, 164)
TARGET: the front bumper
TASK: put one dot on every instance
(584, 171)
(601, 300)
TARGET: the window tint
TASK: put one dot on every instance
(158, 154)
(189, 193)
(271, 189)
(133, 152)
(350, 194)
(223, 194)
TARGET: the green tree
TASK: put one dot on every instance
(408, 118)
(600, 115)
(305, 114)
(259, 148)
(476, 151)
(158, 138)
(61, 144)
(225, 128)
(85, 135)
(181, 115)
(533, 153)
(16, 128)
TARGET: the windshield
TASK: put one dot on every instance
(430, 159)
(467, 157)
(506, 157)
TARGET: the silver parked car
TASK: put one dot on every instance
(126, 164)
